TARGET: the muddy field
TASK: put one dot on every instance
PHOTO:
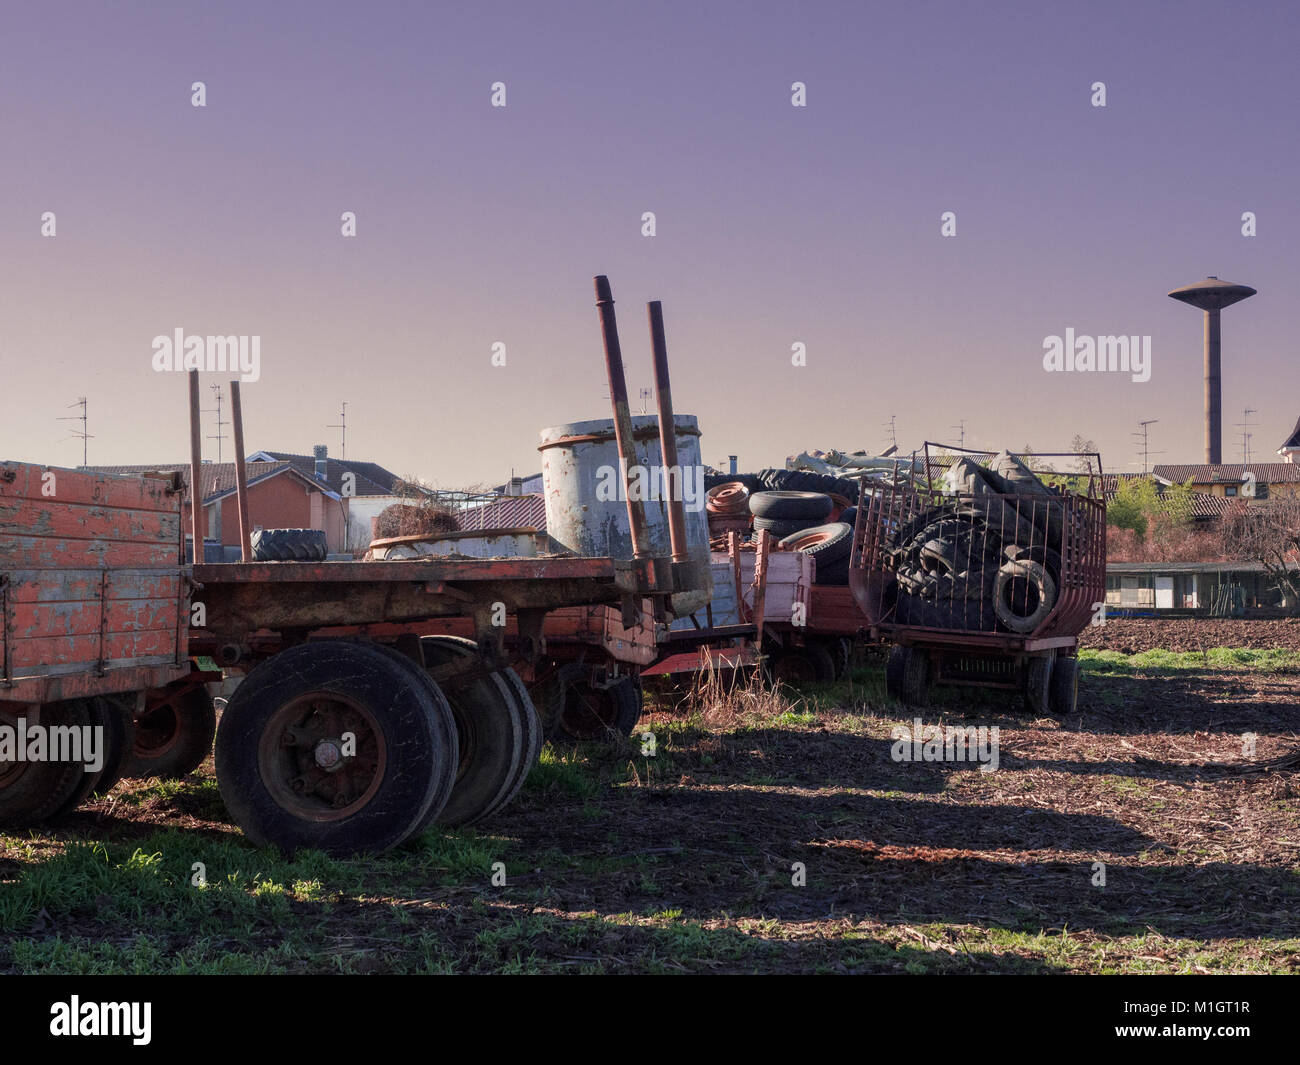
(691, 860)
(1134, 635)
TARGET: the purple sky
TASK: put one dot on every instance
(775, 224)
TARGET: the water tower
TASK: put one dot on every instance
(1212, 295)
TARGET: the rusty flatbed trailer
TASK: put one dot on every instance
(355, 728)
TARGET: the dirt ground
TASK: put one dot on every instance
(1134, 635)
(782, 837)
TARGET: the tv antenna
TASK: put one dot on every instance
(893, 435)
(646, 395)
(1245, 425)
(961, 432)
(83, 436)
(1143, 434)
(342, 424)
(220, 436)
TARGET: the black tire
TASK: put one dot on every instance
(783, 527)
(173, 736)
(279, 728)
(289, 545)
(1038, 684)
(33, 792)
(826, 543)
(916, 677)
(807, 481)
(114, 719)
(849, 516)
(1023, 595)
(589, 712)
(895, 667)
(496, 735)
(1065, 686)
(810, 664)
(803, 506)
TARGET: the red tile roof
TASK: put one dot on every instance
(1228, 472)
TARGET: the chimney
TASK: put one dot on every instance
(515, 487)
(320, 452)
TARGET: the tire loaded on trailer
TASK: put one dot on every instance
(984, 577)
(289, 545)
(982, 561)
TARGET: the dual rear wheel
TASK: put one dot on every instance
(348, 747)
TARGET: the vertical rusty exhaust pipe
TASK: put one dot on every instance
(622, 414)
(196, 462)
(673, 479)
(241, 476)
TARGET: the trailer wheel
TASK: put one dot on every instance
(336, 746)
(173, 735)
(1065, 686)
(497, 736)
(32, 792)
(114, 719)
(907, 675)
(1038, 683)
(589, 712)
(810, 664)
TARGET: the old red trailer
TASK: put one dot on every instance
(981, 579)
(354, 727)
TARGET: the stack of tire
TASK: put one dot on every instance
(798, 519)
(987, 561)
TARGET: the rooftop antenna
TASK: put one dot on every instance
(1211, 296)
(961, 432)
(342, 424)
(1245, 425)
(83, 436)
(1143, 433)
(646, 395)
(220, 436)
(893, 436)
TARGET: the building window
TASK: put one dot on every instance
(1230, 490)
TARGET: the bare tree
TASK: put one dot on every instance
(1267, 533)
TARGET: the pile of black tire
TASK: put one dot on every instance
(794, 505)
(989, 560)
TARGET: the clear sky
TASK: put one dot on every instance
(774, 224)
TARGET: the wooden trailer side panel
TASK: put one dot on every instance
(90, 573)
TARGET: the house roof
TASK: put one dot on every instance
(1228, 472)
(216, 479)
(1292, 441)
(508, 512)
(371, 478)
